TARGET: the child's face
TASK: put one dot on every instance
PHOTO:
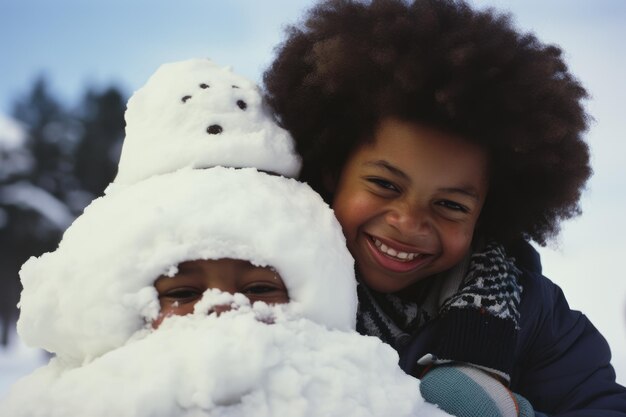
(408, 203)
(179, 294)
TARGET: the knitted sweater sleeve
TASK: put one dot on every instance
(563, 365)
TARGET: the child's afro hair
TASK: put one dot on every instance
(350, 64)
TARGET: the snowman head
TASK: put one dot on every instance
(196, 114)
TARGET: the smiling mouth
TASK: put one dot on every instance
(393, 253)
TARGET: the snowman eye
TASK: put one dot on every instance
(204, 86)
(234, 86)
(242, 104)
(185, 98)
(214, 130)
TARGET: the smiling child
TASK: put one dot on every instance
(446, 140)
(439, 183)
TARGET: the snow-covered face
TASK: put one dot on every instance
(408, 203)
(125, 240)
(178, 294)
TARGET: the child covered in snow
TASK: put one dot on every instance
(202, 218)
(179, 294)
(445, 140)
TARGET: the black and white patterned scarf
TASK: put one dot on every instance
(487, 280)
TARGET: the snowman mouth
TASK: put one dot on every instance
(395, 254)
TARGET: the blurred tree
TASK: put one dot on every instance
(99, 147)
(52, 137)
(71, 156)
(26, 229)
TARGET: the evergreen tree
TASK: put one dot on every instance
(53, 133)
(97, 153)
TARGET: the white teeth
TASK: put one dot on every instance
(403, 256)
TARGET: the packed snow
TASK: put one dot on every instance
(91, 302)
(194, 113)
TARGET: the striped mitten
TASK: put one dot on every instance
(466, 391)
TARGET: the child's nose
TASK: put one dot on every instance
(219, 309)
(409, 218)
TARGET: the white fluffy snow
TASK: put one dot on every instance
(92, 293)
(91, 301)
(233, 365)
(185, 100)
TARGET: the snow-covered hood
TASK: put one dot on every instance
(96, 289)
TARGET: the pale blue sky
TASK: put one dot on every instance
(78, 43)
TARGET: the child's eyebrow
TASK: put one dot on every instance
(381, 163)
(468, 191)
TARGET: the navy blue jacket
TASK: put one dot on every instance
(558, 360)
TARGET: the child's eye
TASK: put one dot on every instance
(383, 183)
(258, 289)
(451, 205)
(182, 294)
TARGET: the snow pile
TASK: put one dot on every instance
(92, 300)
